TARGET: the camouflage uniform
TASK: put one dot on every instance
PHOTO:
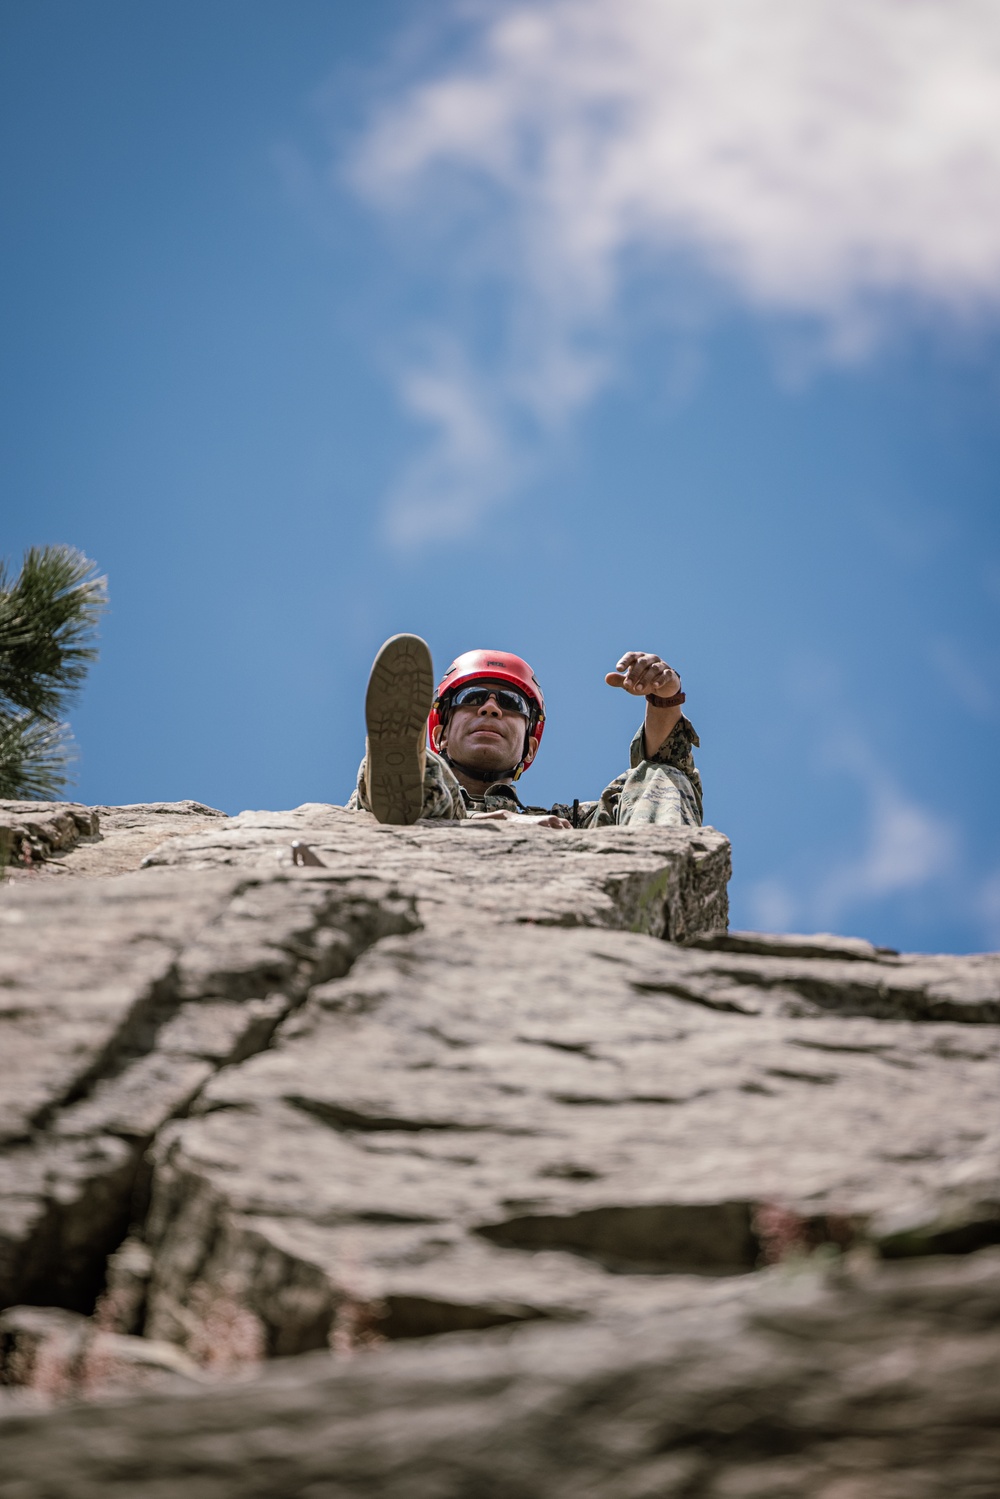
(664, 788)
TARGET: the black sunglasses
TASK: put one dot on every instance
(508, 701)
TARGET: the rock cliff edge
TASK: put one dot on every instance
(672, 1210)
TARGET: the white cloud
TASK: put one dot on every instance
(906, 846)
(773, 907)
(467, 467)
(812, 157)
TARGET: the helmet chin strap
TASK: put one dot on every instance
(476, 773)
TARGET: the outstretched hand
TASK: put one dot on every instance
(640, 672)
(523, 819)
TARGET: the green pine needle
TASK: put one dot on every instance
(48, 615)
(34, 755)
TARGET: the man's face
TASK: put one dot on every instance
(488, 738)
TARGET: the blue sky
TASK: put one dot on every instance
(566, 328)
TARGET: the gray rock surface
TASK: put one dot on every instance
(49, 1355)
(40, 840)
(667, 882)
(119, 998)
(34, 831)
(460, 1077)
(476, 1126)
(881, 1385)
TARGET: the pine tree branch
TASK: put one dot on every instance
(47, 616)
(33, 756)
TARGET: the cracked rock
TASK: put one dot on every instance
(33, 831)
(119, 999)
(517, 1086)
(879, 1385)
(667, 882)
(480, 1124)
(49, 1355)
(42, 840)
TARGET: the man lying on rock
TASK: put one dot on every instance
(485, 722)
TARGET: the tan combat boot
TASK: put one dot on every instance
(399, 698)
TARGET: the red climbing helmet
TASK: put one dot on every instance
(492, 666)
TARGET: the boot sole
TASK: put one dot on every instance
(399, 698)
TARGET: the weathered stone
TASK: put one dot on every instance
(34, 831)
(876, 1386)
(465, 1096)
(667, 882)
(886, 986)
(42, 840)
(961, 1215)
(452, 1078)
(126, 1286)
(789, 945)
(50, 1355)
(118, 1000)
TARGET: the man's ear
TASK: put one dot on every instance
(532, 749)
(438, 738)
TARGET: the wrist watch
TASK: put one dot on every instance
(668, 702)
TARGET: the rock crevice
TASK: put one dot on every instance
(449, 1078)
(118, 1001)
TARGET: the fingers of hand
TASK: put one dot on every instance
(641, 672)
(645, 669)
(624, 674)
(661, 679)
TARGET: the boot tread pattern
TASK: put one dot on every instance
(400, 693)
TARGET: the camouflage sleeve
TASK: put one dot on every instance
(676, 751)
(603, 813)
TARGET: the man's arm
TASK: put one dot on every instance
(523, 819)
(642, 673)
